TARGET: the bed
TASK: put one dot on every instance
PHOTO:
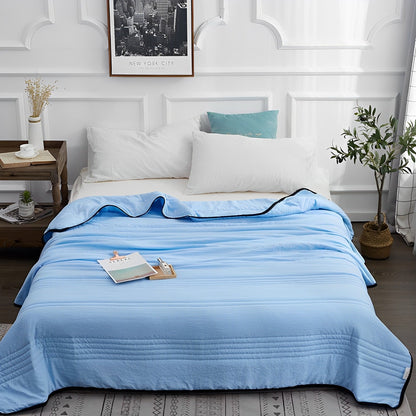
(270, 292)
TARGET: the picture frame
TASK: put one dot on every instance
(150, 38)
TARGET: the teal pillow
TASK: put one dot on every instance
(262, 125)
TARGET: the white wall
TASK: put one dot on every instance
(314, 60)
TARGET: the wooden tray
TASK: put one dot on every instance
(160, 275)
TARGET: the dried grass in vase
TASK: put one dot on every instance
(38, 93)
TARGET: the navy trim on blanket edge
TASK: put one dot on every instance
(185, 216)
(239, 390)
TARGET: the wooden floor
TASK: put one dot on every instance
(394, 297)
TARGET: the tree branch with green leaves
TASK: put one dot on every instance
(377, 146)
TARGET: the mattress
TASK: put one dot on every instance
(173, 187)
(269, 294)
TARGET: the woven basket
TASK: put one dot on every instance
(375, 244)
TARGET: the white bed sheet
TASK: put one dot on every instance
(174, 187)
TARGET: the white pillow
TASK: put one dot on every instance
(115, 154)
(232, 163)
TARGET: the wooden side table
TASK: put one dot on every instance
(29, 235)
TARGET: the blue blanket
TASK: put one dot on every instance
(268, 294)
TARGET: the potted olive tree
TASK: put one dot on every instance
(377, 146)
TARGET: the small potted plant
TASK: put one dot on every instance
(26, 205)
(377, 146)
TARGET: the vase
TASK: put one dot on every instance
(26, 209)
(35, 133)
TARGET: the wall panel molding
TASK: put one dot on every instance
(295, 97)
(356, 189)
(350, 197)
(9, 189)
(169, 101)
(283, 41)
(86, 19)
(18, 101)
(358, 199)
(228, 72)
(397, 17)
(42, 72)
(299, 72)
(140, 100)
(30, 30)
(202, 29)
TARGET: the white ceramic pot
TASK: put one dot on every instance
(26, 209)
(35, 133)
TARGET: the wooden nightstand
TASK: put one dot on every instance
(30, 235)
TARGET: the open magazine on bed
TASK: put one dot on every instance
(126, 268)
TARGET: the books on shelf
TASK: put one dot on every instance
(10, 160)
(133, 266)
(11, 214)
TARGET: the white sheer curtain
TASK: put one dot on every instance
(406, 187)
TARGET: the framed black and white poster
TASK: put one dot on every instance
(151, 37)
